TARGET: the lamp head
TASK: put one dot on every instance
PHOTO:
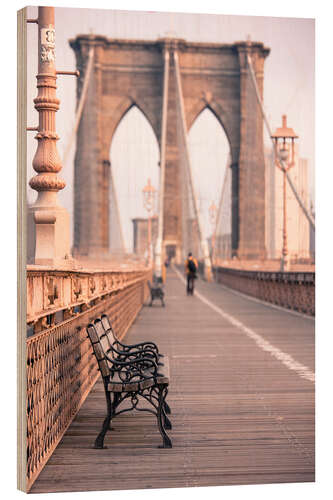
(284, 153)
(284, 132)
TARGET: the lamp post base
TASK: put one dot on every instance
(49, 236)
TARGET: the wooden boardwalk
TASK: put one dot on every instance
(242, 413)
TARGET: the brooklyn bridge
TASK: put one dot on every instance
(241, 349)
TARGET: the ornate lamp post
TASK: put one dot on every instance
(284, 138)
(149, 195)
(212, 217)
(50, 221)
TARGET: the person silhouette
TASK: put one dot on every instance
(191, 267)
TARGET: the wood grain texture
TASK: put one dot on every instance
(239, 416)
(21, 243)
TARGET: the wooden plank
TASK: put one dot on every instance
(239, 415)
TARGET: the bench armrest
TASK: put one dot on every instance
(150, 345)
(135, 353)
(138, 364)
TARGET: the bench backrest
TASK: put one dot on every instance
(101, 346)
(105, 337)
(108, 328)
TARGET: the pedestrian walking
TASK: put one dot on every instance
(191, 267)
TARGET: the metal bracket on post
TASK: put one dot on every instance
(72, 73)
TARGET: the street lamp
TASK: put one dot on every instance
(284, 137)
(212, 217)
(149, 195)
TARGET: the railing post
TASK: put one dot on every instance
(49, 221)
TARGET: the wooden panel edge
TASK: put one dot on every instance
(21, 245)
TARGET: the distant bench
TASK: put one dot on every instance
(130, 372)
(156, 291)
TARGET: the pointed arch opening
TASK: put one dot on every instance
(134, 154)
(210, 155)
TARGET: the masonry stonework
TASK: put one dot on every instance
(130, 72)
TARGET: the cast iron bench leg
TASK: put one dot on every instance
(167, 408)
(161, 416)
(99, 443)
(114, 405)
(166, 421)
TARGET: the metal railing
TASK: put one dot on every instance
(61, 368)
(292, 290)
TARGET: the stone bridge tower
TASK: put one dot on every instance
(130, 72)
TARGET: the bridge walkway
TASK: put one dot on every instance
(241, 394)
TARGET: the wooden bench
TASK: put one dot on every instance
(156, 292)
(131, 374)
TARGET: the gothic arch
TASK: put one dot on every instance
(134, 137)
(111, 124)
(222, 117)
(131, 72)
(209, 149)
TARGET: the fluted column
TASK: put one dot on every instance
(48, 220)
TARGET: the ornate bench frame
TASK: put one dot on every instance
(130, 372)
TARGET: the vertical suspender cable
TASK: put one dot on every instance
(180, 102)
(254, 81)
(115, 202)
(78, 115)
(219, 211)
(81, 103)
(158, 249)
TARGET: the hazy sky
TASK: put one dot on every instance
(288, 88)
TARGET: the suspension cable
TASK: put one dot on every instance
(117, 212)
(81, 104)
(160, 229)
(291, 184)
(181, 109)
(219, 212)
(78, 115)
